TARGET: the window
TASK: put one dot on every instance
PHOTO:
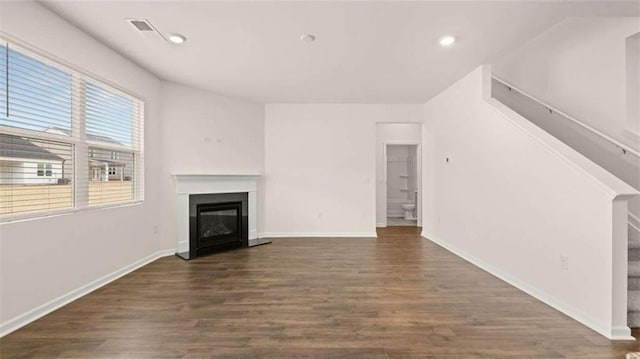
(44, 169)
(50, 116)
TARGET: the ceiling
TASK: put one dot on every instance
(365, 52)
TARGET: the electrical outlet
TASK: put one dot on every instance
(319, 215)
(155, 229)
(564, 262)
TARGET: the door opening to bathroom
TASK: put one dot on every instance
(402, 184)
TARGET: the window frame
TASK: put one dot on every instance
(78, 137)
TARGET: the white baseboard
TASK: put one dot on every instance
(319, 235)
(616, 333)
(28, 317)
(621, 333)
(381, 225)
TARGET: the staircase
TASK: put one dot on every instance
(608, 153)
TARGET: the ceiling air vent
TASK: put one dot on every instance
(141, 24)
(144, 26)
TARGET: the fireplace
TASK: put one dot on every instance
(217, 222)
(208, 191)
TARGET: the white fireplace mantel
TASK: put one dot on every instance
(187, 184)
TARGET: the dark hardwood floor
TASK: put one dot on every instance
(399, 296)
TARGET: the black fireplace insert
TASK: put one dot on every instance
(217, 222)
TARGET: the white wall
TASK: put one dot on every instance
(518, 202)
(43, 259)
(208, 133)
(398, 157)
(320, 166)
(578, 66)
(632, 66)
(389, 133)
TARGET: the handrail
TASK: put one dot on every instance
(625, 149)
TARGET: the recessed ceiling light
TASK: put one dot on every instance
(308, 38)
(447, 41)
(177, 38)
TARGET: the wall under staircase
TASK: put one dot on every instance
(605, 151)
(507, 196)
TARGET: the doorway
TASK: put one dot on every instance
(393, 141)
(401, 162)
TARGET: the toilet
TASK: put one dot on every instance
(408, 211)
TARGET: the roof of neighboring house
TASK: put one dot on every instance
(90, 137)
(19, 147)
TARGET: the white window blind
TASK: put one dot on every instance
(67, 140)
(114, 123)
(37, 95)
(3, 80)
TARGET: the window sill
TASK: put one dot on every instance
(24, 217)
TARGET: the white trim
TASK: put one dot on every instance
(38, 312)
(621, 333)
(318, 235)
(381, 225)
(616, 333)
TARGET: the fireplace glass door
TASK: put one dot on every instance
(219, 224)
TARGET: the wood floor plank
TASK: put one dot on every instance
(398, 296)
